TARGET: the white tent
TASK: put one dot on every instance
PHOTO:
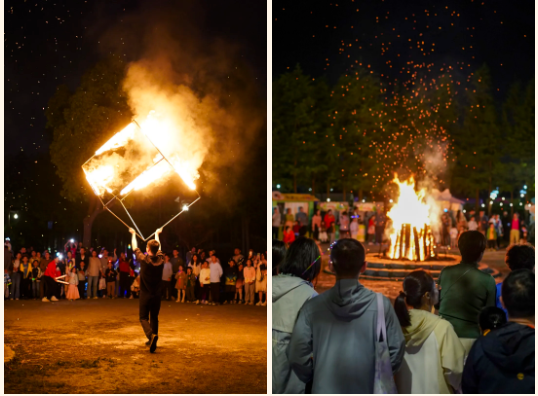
(446, 200)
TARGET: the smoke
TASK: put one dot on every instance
(199, 88)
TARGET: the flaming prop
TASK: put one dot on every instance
(133, 159)
(410, 236)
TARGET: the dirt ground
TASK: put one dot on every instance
(391, 289)
(97, 346)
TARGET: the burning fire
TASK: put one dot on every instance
(112, 171)
(410, 236)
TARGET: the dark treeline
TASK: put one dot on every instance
(354, 136)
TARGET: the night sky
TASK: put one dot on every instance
(52, 42)
(463, 34)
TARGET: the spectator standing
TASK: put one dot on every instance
(196, 266)
(215, 274)
(167, 278)
(110, 276)
(36, 278)
(276, 222)
(354, 228)
(484, 220)
(290, 219)
(43, 263)
(16, 277)
(344, 226)
(72, 290)
(292, 287)
(491, 237)
(329, 220)
(473, 226)
(181, 284)
(230, 281)
(205, 282)
(26, 277)
(503, 361)
(339, 326)
(453, 237)
(191, 280)
(465, 290)
(371, 230)
(176, 263)
(517, 257)
(94, 270)
(239, 284)
(124, 268)
(434, 356)
(316, 224)
(249, 273)
(302, 217)
(261, 279)
(188, 257)
(515, 230)
(81, 273)
(82, 256)
(380, 220)
(238, 257)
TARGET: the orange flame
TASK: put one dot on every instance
(410, 234)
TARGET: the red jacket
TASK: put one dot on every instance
(51, 270)
(124, 266)
(289, 237)
(329, 220)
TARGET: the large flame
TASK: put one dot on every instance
(410, 234)
(107, 170)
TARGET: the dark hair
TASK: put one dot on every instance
(279, 252)
(518, 293)
(491, 318)
(520, 257)
(153, 247)
(471, 244)
(302, 259)
(415, 286)
(231, 261)
(303, 231)
(347, 256)
(197, 258)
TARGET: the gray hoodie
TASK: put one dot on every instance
(289, 295)
(338, 329)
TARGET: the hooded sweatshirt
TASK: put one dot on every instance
(434, 356)
(289, 295)
(501, 361)
(339, 328)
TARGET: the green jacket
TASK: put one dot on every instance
(464, 292)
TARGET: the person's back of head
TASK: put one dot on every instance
(472, 245)
(302, 259)
(520, 257)
(279, 252)
(303, 231)
(491, 318)
(153, 247)
(347, 258)
(418, 290)
(518, 294)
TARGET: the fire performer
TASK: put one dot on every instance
(151, 273)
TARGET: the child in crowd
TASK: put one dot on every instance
(205, 283)
(135, 287)
(296, 228)
(261, 279)
(239, 284)
(323, 233)
(491, 318)
(453, 237)
(491, 237)
(7, 283)
(36, 278)
(132, 279)
(110, 276)
(72, 291)
(191, 282)
(354, 227)
(371, 230)
(181, 284)
(81, 274)
(361, 236)
(230, 280)
(289, 236)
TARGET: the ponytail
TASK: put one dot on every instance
(400, 307)
(415, 285)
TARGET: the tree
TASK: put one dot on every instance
(477, 143)
(82, 122)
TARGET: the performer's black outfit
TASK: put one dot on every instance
(151, 274)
